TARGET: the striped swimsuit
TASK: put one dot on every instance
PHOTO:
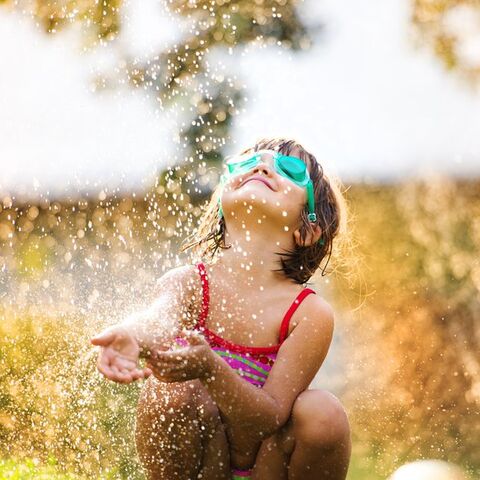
(251, 363)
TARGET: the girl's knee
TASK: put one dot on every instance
(167, 432)
(183, 403)
(157, 395)
(208, 414)
(161, 407)
(319, 420)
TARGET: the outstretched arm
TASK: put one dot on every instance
(122, 345)
(158, 325)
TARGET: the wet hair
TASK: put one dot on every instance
(302, 262)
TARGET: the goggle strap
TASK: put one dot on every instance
(312, 216)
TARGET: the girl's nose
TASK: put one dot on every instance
(262, 167)
(265, 165)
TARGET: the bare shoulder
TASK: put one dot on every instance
(183, 282)
(182, 276)
(318, 316)
(320, 309)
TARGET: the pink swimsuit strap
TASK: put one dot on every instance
(218, 341)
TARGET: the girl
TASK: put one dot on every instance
(231, 399)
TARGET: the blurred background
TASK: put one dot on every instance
(115, 117)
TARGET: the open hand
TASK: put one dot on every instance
(119, 355)
(190, 362)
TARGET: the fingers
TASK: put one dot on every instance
(177, 365)
(169, 366)
(125, 363)
(119, 369)
(160, 369)
(128, 376)
(164, 367)
(169, 358)
(124, 376)
(104, 338)
(176, 356)
(103, 362)
(168, 376)
(169, 363)
(195, 338)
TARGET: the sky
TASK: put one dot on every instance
(368, 103)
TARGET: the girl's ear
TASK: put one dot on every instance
(313, 236)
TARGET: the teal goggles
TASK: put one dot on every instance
(291, 168)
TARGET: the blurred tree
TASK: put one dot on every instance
(101, 18)
(412, 355)
(452, 30)
(181, 74)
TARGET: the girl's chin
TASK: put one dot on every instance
(245, 202)
(255, 193)
(253, 213)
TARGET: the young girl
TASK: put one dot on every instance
(230, 399)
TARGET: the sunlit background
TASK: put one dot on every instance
(114, 120)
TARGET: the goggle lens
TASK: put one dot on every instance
(294, 168)
(291, 167)
(236, 166)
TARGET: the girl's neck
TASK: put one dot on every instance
(251, 259)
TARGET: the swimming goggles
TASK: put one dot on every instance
(291, 168)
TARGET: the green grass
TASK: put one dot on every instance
(362, 466)
(30, 469)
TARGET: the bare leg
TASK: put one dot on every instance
(178, 434)
(216, 456)
(272, 459)
(315, 443)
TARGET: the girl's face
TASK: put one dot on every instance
(262, 193)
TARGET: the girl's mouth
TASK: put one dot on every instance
(260, 179)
